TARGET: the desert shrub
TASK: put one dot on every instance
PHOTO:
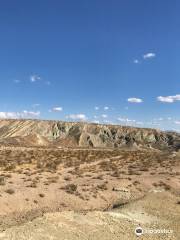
(100, 177)
(143, 169)
(40, 164)
(32, 185)
(115, 174)
(51, 165)
(46, 183)
(42, 195)
(162, 184)
(8, 175)
(67, 178)
(87, 175)
(136, 182)
(53, 179)
(10, 191)
(119, 203)
(10, 167)
(19, 171)
(70, 188)
(2, 180)
(102, 186)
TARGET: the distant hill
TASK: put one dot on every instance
(73, 134)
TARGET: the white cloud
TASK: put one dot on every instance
(56, 109)
(80, 117)
(104, 116)
(136, 61)
(165, 99)
(121, 119)
(106, 108)
(96, 108)
(27, 114)
(17, 115)
(169, 99)
(149, 55)
(130, 120)
(125, 120)
(96, 121)
(17, 81)
(135, 100)
(34, 78)
(177, 122)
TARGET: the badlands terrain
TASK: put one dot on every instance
(61, 180)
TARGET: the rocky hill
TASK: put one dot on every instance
(73, 134)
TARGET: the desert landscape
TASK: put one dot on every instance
(66, 180)
(89, 120)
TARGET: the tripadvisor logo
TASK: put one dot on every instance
(138, 231)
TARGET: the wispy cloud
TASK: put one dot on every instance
(169, 99)
(104, 115)
(57, 109)
(177, 122)
(121, 119)
(128, 121)
(79, 117)
(35, 78)
(146, 56)
(106, 108)
(136, 61)
(135, 100)
(149, 55)
(16, 81)
(125, 120)
(17, 115)
(96, 108)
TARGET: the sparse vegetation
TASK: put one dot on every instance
(42, 195)
(106, 176)
(2, 180)
(10, 191)
(70, 188)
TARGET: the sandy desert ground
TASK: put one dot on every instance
(54, 193)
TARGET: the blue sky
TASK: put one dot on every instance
(95, 60)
